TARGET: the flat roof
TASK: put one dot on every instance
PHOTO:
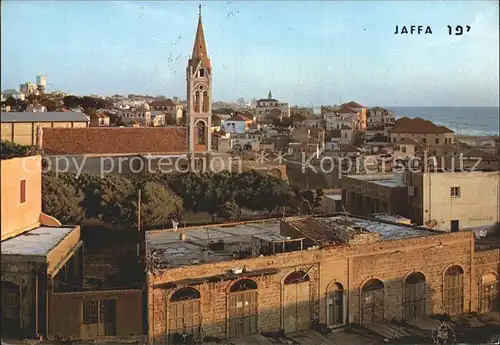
(175, 252)
(37, 242)
(49, 116)
(336, 197)
(385, 180)
(390, 231)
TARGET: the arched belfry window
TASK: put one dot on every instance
(201, 130)
(196, 101)
(205, 102)
(201, 72)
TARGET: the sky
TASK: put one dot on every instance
(306, 52)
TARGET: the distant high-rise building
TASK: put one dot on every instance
(41, 83)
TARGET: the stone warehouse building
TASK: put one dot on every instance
(231, 281)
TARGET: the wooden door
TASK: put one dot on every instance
(335, 308)
(185, 317)
(296, 313)
(373, 306)
(242, 313)
(10, 308)
(415, 301)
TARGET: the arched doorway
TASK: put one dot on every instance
(372, 301)
(184, 314)
(489, 293)
(415, 296)
(453, 290)
(335, 305)
(11, 308)
(296, 302)
(201, 133)
(243, 308)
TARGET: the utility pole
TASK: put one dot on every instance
(139, 237)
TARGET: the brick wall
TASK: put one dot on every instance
(351, 266)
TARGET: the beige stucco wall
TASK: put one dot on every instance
(17, 217)
(26, 133)
(477, 205)
(430, 139)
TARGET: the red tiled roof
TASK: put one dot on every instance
(238, 118)
(345, 109)
(98, 140)
(353, 104)
(418, 125)
(164, 103)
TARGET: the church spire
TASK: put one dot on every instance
(200, 48)
(270, 95)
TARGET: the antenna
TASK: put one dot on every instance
(345, 212)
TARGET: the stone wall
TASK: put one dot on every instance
(351, 266)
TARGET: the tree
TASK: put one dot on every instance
(61, 200)
(118, 200)
(8, 150)
(71, 101)
(158, 205)
(50, 104)
(260, 192)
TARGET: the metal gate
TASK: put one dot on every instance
(373, 302)
(415, 296)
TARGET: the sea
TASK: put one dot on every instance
(473, 121)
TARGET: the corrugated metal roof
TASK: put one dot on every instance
(50, 116)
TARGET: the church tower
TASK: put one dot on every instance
(199, 95)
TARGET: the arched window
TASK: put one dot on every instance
(184, 313)
(489, 293)
(206, 102)
(372, 301)
(335, 302)
(201, 133)
(453, 290)
(296, 277)
(243, 308)
(415, 296)
(185, 294)
(201, 72)
(243, 285)
(196, 102)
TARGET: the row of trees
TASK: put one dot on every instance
(86, 102)
(114, 198)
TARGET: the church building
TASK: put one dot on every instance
(199, 95)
